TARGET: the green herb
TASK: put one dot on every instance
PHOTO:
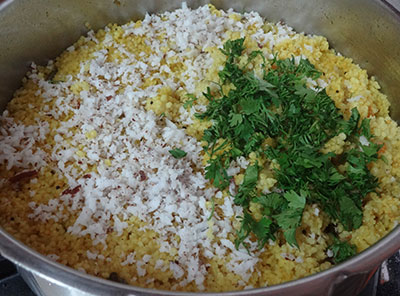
(51, 81)
(216, 171)
(290, 219)
(263, 229)
(342, 250)
(301, 120)
(189, 103)
(212, 210)
(177, 153)
(246, 189)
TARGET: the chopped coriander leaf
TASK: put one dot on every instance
(365, 129)
(51, 81)
(232, 49)
(273, 203)
(216, 172)
(189, 103)
(247, 225)
(342, 250)
(348, 127)
(212, 209)
(290, 219)
(264, 229)
(246, 189)
(300, 120)
(296, 201)
(177, 153)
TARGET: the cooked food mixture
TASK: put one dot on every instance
(199, 150)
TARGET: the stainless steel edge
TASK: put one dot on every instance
(39, 30)
(4, 3)
(317, 284)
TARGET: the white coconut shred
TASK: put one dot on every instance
(135, 174)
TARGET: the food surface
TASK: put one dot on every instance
(199, 150)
